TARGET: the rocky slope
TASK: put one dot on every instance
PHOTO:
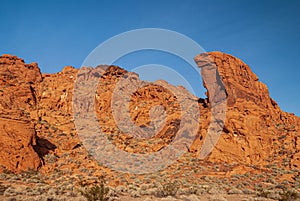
(37, 127)
(256, 131)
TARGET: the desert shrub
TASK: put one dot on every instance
(169, 189)
(7, 171)
(263, 193)
(2, 189)
(288, 195)
(49, 158)
(28, 174)
(98, 192)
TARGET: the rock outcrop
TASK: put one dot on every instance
(255, 132)
(18, 112)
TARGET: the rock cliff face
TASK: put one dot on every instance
(18, 112)
(36, 116)
(256, 131)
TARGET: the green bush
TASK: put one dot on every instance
(98, 192)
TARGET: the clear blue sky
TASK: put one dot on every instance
(264, 34)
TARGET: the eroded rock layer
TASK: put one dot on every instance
(36, 116)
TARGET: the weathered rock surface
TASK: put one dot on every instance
(256, 131)
(18, 111)
(17, 141)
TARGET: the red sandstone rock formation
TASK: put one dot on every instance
(18, 111)
(256, 131)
